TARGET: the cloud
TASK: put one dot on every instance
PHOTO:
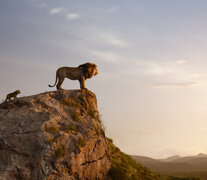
(111, 39)
(104, 37)
(72, 16)
(156, 74)
(56, 10)
(158, 68)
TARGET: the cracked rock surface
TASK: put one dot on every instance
(53, 135)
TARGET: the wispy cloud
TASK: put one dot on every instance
(163, 75)
(114, 40)
(72, 16)
(56, 10)
(158, 68)
(106, 37)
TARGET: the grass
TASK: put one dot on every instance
(198, 174)
(181, 178)
(125, 168)
(91, 112)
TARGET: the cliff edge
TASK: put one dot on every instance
(53, 135)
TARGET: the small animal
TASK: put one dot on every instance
(80, 73)
(12, 95)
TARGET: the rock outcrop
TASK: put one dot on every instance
(53, 135)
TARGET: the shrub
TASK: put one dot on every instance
(91, 113)
(71, 102)
(102, 124)
(51, 140)
(81, 142)
(71, 129)
(51, 128)
(60, 151)
(75, 116)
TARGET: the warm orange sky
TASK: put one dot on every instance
(151, 57)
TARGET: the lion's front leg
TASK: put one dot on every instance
(82, 83)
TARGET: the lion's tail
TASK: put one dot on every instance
(55, 81)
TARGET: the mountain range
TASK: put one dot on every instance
(194, 166)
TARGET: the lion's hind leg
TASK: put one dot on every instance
(59, 84)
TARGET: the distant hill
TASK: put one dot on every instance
(171, 158)
(194, 166)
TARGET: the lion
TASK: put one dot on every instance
(80, 73)
(12, 95)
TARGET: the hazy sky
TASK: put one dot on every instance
(151, 57)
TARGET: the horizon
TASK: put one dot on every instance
(151, 58)
(195, 155)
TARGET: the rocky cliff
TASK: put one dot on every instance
(53, 135)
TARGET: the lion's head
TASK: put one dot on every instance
(89, 70)
(18, 92)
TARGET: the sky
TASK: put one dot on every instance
(151, 57)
